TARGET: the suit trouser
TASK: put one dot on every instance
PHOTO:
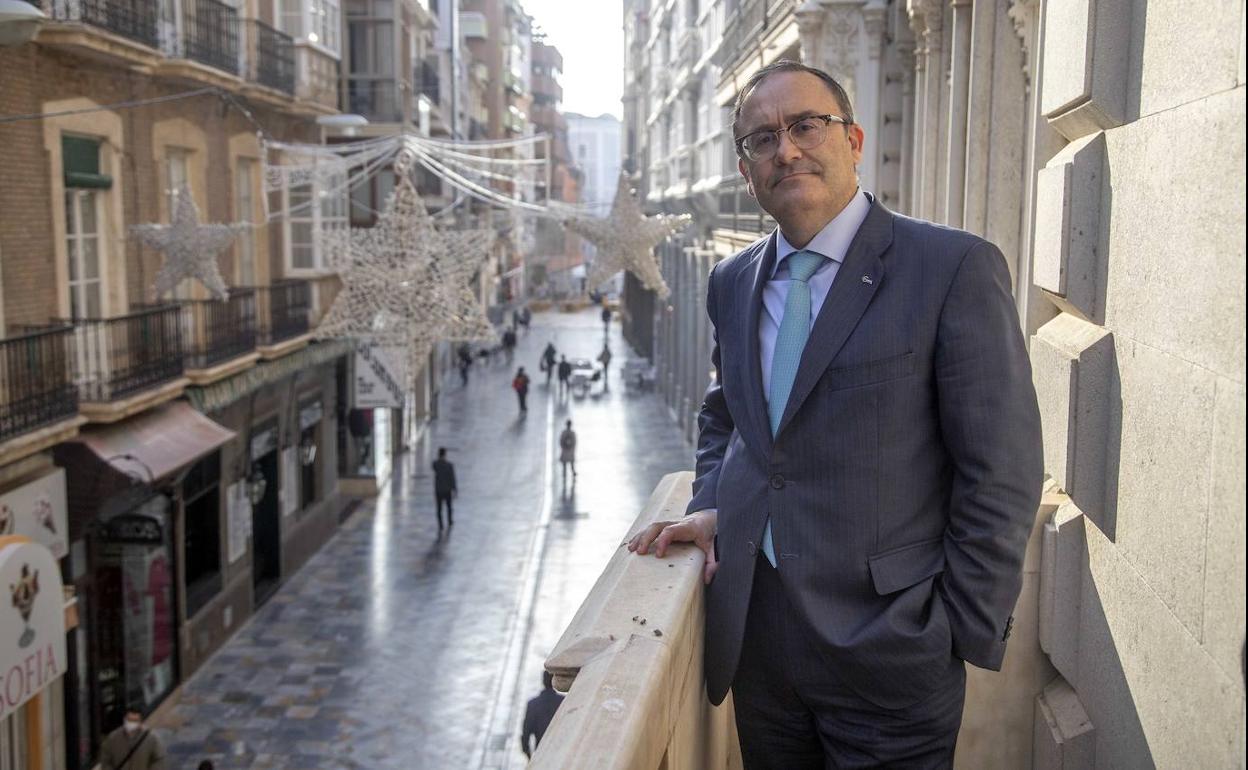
(793, 711)
(450, 512)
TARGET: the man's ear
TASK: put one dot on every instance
(749, 183)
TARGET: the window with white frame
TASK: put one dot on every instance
(309, 211)
(177, 179)
(244, 202)
(82, 246)
(316, 21)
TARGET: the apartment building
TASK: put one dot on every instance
(176, 456)
(555, 265)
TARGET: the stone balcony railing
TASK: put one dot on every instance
(631, 664)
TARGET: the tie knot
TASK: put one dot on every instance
(803, 264)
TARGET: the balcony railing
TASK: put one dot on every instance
(132, 19)
(217, 331)
(283, 310)
(747, 29)
(118, 357)
(205, 31)
(270, 56)
(36, 384)
(739, 211)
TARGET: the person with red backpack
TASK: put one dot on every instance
(521, 385)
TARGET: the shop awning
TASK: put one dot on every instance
(159, 441)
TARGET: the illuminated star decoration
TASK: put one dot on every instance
(190, 248)
(626, 240)
(402, 278)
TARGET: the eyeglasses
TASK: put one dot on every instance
(807, 133)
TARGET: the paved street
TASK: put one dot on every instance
(396, 648)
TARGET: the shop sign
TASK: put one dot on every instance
(134, 528)
(38, 511)
(32, 623)
(379, 377)
(310, 414)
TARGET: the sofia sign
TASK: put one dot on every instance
(32, 623)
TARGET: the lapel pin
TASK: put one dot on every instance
(867, 280)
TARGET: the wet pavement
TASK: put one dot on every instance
(395, 647)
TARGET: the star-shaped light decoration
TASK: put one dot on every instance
(626, 240)
(404, 280)
(190, 248)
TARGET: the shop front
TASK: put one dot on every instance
(32, 656)
(126, 483)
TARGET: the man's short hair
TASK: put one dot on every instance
(788, 65)
(441, 451)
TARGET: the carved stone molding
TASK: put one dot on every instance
(841, 24)
(918, 26)
(875, 26)
(1024, 14)
(809, 30)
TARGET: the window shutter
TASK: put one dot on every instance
(81, 158)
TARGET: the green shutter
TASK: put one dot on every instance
(81, 158)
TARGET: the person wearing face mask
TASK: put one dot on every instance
(132, 747)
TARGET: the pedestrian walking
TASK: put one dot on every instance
(606, 318)
(521, 385)
(567, 450)
(548, 361)
(605, 359)
(444, 487)
(509, 345)
(515, 319)
(132, 746)
(465, 362)
(565, 371)
(526, 317)
(538, 713)
(206, 765)
(847, 590)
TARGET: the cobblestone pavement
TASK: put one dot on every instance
(394, 647)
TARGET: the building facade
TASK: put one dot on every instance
(1084, 140)
(594, 146)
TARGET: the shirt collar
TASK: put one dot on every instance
(834, 239)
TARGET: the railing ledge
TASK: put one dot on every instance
(631, 661)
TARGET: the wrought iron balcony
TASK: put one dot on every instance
(118, 357)
(132, 19)
(205, 31)
(270, 56)
(748, 27)
(283, 310)
(217, 331)
(36, 383)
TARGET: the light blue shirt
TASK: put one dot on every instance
(832, 242)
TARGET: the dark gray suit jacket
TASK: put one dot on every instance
(904, 478)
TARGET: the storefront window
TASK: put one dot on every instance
(135, 639)
(201, 492)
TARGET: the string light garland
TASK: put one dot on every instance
(190, 248)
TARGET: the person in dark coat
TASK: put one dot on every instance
(509, 344)
(538, 713)
(548, 360)
(521, 385)
(565, 372)
(444, 487)
(133, 747)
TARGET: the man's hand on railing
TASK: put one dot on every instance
(697, 528)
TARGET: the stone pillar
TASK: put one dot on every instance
(979, 114)
(809, 31)
(868, 107)
(905, 52)
(918, 122)
(959, 87)
(933, 91)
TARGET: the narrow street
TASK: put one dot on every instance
(397, 648)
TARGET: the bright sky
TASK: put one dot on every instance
(590, 36)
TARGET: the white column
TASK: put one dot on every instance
(918, 121)
(979, 113)
(933, 129)
(959, 86)
(905, 53)
(870, 83)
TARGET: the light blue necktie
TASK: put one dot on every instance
(790, 342)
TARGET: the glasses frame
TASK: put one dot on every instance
(827, 121)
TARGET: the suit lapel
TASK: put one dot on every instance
(750, 293)
(856, 282)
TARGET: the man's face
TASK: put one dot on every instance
(806, 184)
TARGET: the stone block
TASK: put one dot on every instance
(1223, 617)
(1063, 738)
(1175, 232)
(1069, 248)
(1086, 63)
(1063, 565)
(1182, 55)
(1161, 492)
(1073, 368)
(1155, 695)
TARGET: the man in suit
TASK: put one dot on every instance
(869, 460)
